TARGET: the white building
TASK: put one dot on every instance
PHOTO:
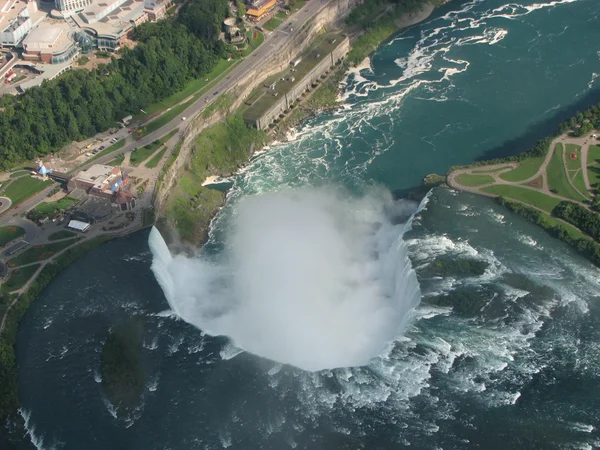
(71, 5)
(17, 29)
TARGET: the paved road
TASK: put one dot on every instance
(274, 42)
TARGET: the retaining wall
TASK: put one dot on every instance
(331, 14)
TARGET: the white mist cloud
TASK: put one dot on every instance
(311, 278)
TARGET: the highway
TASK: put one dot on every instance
(274, 42)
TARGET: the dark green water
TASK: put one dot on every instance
(519, 368)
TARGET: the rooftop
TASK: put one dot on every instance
(97, 174)
(263, 98)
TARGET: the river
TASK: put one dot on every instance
(515, 367)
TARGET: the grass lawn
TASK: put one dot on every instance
(23, 188)
(474, 180)
(253, 42)
(594, 176)
(19, 173)
(593, 154)
(573, 232)
(117, 161)
(528, 196)
(155, 159)
(192, 204)
(18, 278)
(83, 60)
(557, 177)
(143, 153)
(527, 168)
(62, 234)
(7, 234)
(295, 5)
(50, 209)
(40, 252)
(282, 15)
(492, 170)
(580, 184)
(572, 164)
(272, 24)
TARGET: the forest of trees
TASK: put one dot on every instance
(584, 219)
(80, 104)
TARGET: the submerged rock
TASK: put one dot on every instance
(123, 375)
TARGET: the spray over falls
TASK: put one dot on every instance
(310, 277)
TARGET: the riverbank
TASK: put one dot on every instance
(548, 185)
(192, 204)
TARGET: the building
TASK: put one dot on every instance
(276, 99)
(71, 6)
(99, 180)
(79, 225)
(49, 45)
(260, 9)
(125, 200)
(156, 9)
(17, 29)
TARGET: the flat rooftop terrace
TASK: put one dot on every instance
(264, 97)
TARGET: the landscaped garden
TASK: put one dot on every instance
(9, 233)
(40, 252)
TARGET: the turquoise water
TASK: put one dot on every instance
(518, 369)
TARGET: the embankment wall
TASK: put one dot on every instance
(330, 15)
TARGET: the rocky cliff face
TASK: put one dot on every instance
(330, 16)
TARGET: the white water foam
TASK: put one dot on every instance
(311, 278)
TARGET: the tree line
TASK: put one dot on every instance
(80, 104)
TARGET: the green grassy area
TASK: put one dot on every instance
(83, 60)
(155, 159)
(296, 5)
(192, 207)
(223, 67)
(49, 209)
(23, 188)
(474, 180)
(117, 161)
(18, 278)
(281, 15)
(116, 146)
(40, 252)
(7, 234)
(593, 154)
(492, 170)
(557, 177)
(191, 88)
(579, 183)
(528, 196)
(18, 173)
(272, 24)
(255, 38)
(143, 153)
(572, 164)
(62, 234)
(219, 150)
(527, 168)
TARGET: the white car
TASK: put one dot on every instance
(183, 118)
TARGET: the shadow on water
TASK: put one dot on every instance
(520, 144)
(541, 129)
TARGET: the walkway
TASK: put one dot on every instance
(452, 178)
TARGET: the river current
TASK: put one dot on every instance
(518, 368)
